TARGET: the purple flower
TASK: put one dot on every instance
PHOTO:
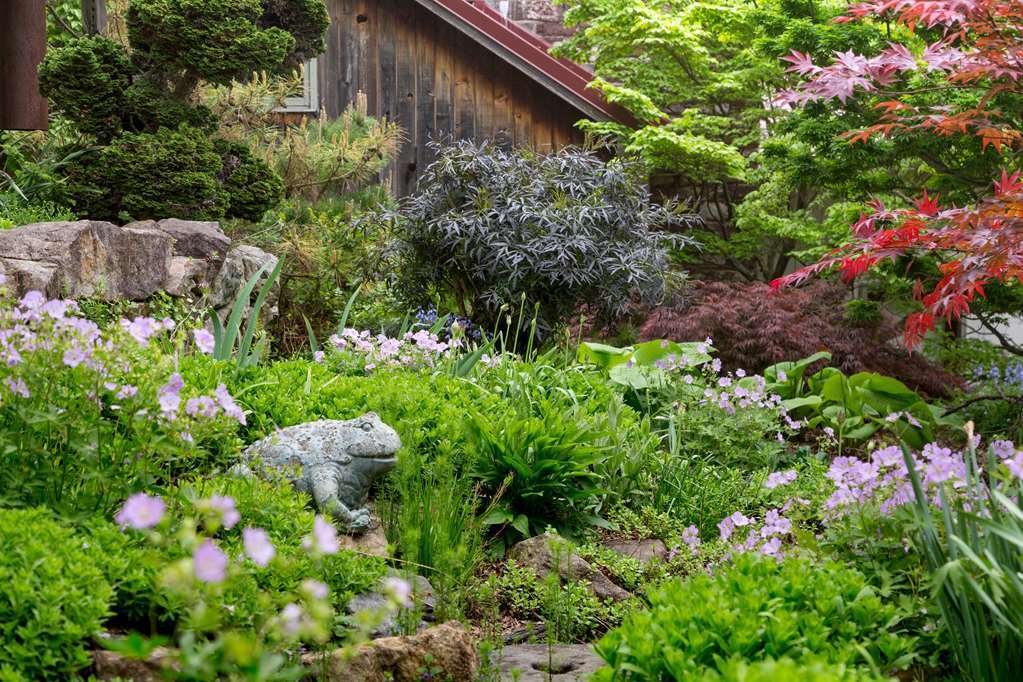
(169, 395)
(224, 505)
(691, 536)
(315, 589)
(140, 511)
(258, 546)
(18, 387)
(142, 329)
(318, 356)
(771, 547)
(324, 538)
(127, 391)
(1015, 464)
(209, 562)
(291, 619)
(1003, 449)
(204, 340)
(203, 405)
(228, 404)
(33, 300)
(399, 590)
(780, 478)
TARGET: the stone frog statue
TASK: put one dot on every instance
(334, 461)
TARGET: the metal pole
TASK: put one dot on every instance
(22, 48)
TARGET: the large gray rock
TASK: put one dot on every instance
(86, 258)
(445, 652)
(644, 551)
(548, 553)
(540, 663)
(200, 247)
(334, 461)
(240, 264)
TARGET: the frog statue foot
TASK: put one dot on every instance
(334, 461)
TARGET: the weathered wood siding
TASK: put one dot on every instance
(434, 82)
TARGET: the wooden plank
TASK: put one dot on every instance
(405, 85)
(426, 96)
(444, 82)
(522, 116)
(329, 64)
(366, 28)
(348, 49)
(464, 100)
(504, 126)
(385, 50)
(483, 91)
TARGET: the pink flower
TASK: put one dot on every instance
(224, 505)
(209, 562)
(324, 538)
(204, 340)
(399, 590)
(258, 546)
(228, 404)
(141, 511)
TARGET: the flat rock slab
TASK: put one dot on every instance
(540, 663)
(643, 550)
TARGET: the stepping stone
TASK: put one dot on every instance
(540, 663)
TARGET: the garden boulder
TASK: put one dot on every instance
(644, 551)
(241, 263)
(198, 253)
(446, 652)
(546, 553)
(87, 258)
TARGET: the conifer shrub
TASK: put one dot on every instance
(154, 152)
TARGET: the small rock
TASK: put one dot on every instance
(422, 595)
(540, 663)
(372, 542)
(107, 665)
(185, 277)
(445, 652)
(538, 553)
(643, 550)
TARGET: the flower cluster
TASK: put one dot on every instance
(413, 350)
(455, 326)
(1009, 377)
(765, 536)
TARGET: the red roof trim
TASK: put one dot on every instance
(531, 49)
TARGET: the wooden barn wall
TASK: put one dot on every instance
(434, 82)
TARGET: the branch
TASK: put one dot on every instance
(1010, 398)
(63, 24)
(1002, 339)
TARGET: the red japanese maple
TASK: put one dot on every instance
(981, 50)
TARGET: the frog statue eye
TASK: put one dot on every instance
(366, 426)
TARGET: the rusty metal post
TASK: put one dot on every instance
(22, 48)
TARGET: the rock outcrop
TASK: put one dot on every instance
(95, 259)
(444, 652)
(549, 553)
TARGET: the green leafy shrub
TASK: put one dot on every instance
(753, 610)
(495, 229)
(539, 470)
(53, 598)
(15, 211)
(785, 670)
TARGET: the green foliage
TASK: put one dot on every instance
(226, 335)
(538, 469)
(150, 175)
(700, 79)
(973, 552)
(645, 365)
(14, 212)
(569, 610)
(53, 598)
(88, 79)
(504, 234)
(430, 513)
(771, 670)
(754, 610)
(155, 156)
(854, 407)
(225, 39)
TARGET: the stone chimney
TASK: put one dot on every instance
(542, 17)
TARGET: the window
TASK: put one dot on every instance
(309, 98)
